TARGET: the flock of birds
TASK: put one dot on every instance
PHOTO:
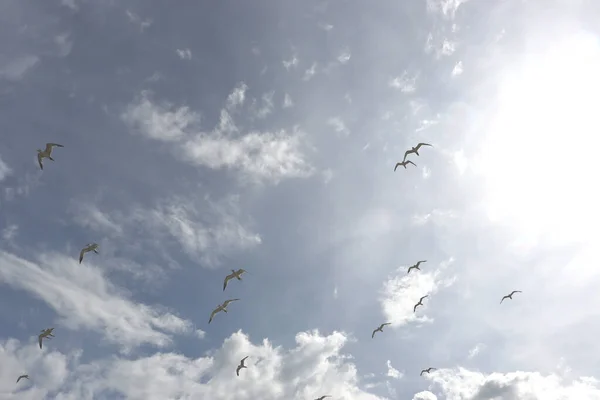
(237, 274)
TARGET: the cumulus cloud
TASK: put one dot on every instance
(260, 156)
(402, 291)
(393, 372)
(313, 367)
(84, 298)
(463, 384)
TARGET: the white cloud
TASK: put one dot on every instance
(69, 3)
(425, 396)
(293, 62)
(309, 73)
(475, 350)
(159, 122)
(136, 20)
(200, 333)
(10, 232)
(402, 291)
(237, 96)
(338, 125)
(405, 83)
(84, 298)
(447, 8)
(184, 54)
(462, 384)
(267, 105)
(313, 367)
(64, 44)
(458, 69)
(393, 372)
(4, 170)
(16, 69)
(287, 101)
(344, 57)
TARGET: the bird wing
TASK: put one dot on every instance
(417, 147)
(237, 370)
(19, 378)
(227, 278)
(421, 299)
(415, 307)
(410, 162)
(244, 359)
(515, 291)
(40, 340)
(411, 267)
(407, 153)
(50, 145)
(387, 323)
(81, 253)
(422, 371)
(226, 303)
(373, 334)
(397, 165)
(505, 297)
(39, 156)
(215, 311)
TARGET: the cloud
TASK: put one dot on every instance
(267, 105)
(309, 73)
(458, 69)
(313, 367)
(287, 101)
(184, 54)
(446, 8)
(84, 298)
(425, 396)
(205, 229)
(393, 372)
(16, 69)
(136, 20)
(344, 57)
(338, 125)
(463, 384)
(200, 333)
(475, 350)
(10, 232)
(404, 83)
(293, 62)
(69, 3)
(63, 44)
(261, 156)
(401, 292)
(4, 170)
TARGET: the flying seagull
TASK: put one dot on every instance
(323, 397)
(234, 274)
(21, 377)
(404, 163)
(380, 329)
(416, 266)
(428, 370)
(237, 371)
(46, 333)
(509, 296)
(220, 307)
(415, 150)
(88, 247)
(47, 153)
(420, 303)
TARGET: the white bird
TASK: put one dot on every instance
(404, 163)
(47, 153)
(88, 247)
(428, 370)
(234, 274)
(509, 296)
(237, 371)
(416, 266)
(415, 150)
(46, 333)
(420, 303)
(220, 307)
(380, 329)
(21, 377)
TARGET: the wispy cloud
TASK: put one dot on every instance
(291, 63)
(84, 298)
(344, 57)
(405, 82)
(4, 170)
(338, 125)
(475, 350)
(287, 101)
(17, 68)
(137, 20)
(237, 96)
(309, 73)
(184, 54)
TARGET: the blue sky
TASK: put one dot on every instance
(201, 137)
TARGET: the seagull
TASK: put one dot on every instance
(237, 371)
(323, 397)
(234, 274)
(47, 153)
(220, 307)
(420, 303)
(416, 266)
(88, 247)
(46, 333)
(415, 150)
(380, 329)
(509, 296)
(21, 377)
(403, 163)
(428, 370)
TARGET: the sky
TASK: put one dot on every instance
(205, 136)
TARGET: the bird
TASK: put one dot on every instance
(416, 266)
(420, 303)
(415, 150)
(323, 397)
(509, 296)
(46, 333)
(220, 307)
(380, 329)
(234, 274)
(237, 371)
(403, 163)
(88, 247)
(21, 377)
(47, 153)
(428, 370)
